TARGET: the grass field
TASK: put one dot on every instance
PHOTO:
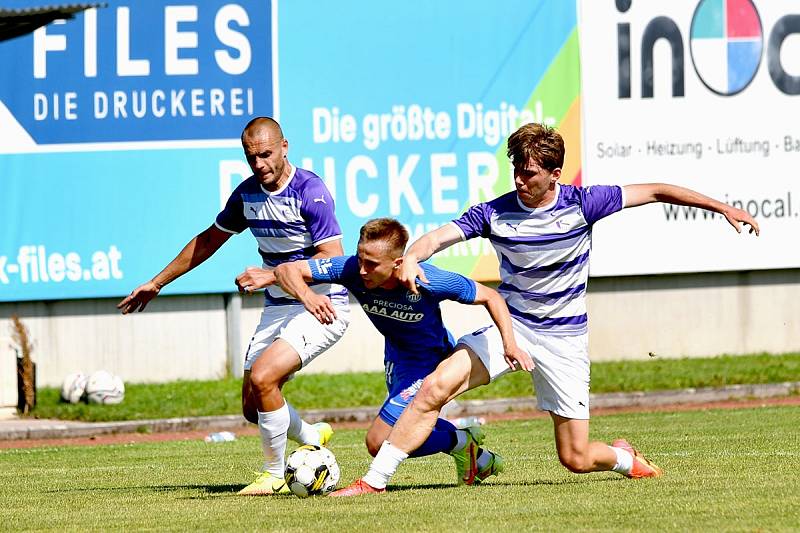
(725, 470)
(313, 391)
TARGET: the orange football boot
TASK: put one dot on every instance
(358, 487)
(642, 467)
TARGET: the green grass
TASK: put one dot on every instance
(725, 470)
(317, 391)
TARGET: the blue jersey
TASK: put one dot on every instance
(411, 323)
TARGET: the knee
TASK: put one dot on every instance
(265, 379)
(575, 461)
(433, 393)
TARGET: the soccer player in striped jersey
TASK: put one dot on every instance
(542, 235)
(416, 339)
(291, 214)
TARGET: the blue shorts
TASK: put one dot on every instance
(402, 381)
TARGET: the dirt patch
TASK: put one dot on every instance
(133, 438)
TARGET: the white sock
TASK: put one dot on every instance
(300, 430)
(273, 426)
(461, 440)
(384, 465)
(624, 460)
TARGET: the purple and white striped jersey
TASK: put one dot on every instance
(544, 252)
(288, 224)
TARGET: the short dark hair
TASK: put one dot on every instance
(541, 143)
(389, 230)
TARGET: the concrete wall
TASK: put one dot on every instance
(694, 314)
(186, 337)
(180, 337)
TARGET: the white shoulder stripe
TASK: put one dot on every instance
(327, 239)
(459, 230)
(226, 230)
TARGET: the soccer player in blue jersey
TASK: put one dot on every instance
(416, 339)
(291, 214)
(542, 235)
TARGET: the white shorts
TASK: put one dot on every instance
(299, 328)
(561, 372)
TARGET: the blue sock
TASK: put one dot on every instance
(442, 439)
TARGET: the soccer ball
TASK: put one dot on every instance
(73, 387)
(311, 471)
(105, 388)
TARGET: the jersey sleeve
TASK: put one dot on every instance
(318, 210)
(599, 201)
(446, 285)
(334, 269)
(231, 219)
(474, 222)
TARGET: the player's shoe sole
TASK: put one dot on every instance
(495, 466)
(358, 487)
(642, 467)
(466, 459)
(325, 432)
(265, 485)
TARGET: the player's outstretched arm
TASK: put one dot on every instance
(200, 248)
(427, 245)
(293, 278)
(646, 193)
(254, 278)
(498, 310)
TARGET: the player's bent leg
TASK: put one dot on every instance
(460, 372)
(575, 451)
(377, 433)
(249, 401)
(267, 373)
(453, 375)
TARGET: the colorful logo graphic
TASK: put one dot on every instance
(726, 42)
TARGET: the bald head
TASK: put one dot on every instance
(266, 149)
(262, 126)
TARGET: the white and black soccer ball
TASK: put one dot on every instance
(73, 387)
(311, 471)
(105, 388)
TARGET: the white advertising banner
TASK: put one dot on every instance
(699, 93)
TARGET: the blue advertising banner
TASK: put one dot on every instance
(119, 131)
(123, 126)
(141, 71)
(405, 110)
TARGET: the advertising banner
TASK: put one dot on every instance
(405, 109)
(702, 94)
(119, 140)
(119, 129)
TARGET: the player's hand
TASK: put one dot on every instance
(320, 306)
(254, 278)
(517, 358)
(139, 298)
(736, 217)
(409, 272)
